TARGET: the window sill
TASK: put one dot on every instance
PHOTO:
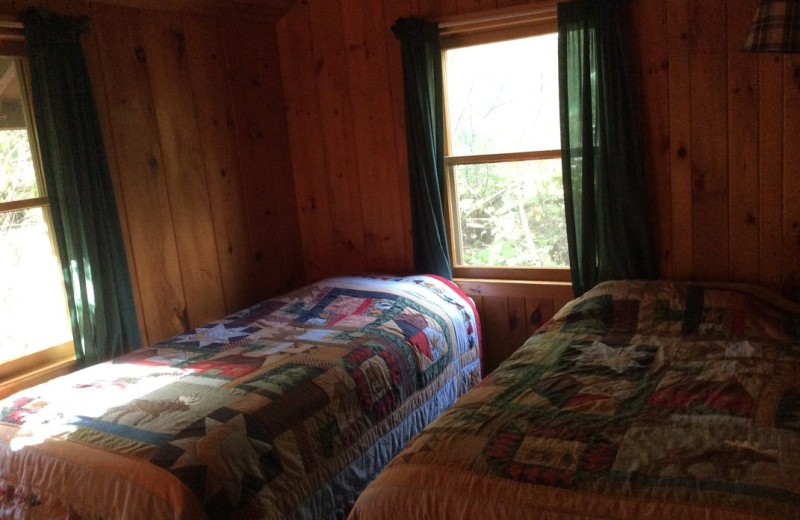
(515, 274)
(36, 368)
(557, 290)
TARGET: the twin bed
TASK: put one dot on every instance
(283, 410)
(638, 400)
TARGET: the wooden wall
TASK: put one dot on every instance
(720, 134)
(341, 74)
(192, 109)
(250, 156)
(721, 131)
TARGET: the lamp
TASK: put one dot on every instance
(776, 27)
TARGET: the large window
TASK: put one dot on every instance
(35, 329)
(503, 159)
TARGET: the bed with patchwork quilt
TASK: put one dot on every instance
(640, 399)
(283, 410)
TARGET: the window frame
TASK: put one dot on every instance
(39, 366)
(490, 28)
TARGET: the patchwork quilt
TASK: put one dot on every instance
(652, 400)
(257, 415)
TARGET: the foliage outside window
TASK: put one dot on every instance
(35, 319)
(502, 143)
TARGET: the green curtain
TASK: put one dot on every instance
(424, 116)
(606, 200)
(85, 219)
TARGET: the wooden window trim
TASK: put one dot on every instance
(35, 368)
(502, 157)
(17, 374)
(498, 24)
(557, 291)
(489, 27)
(550, 274)
(17, 205)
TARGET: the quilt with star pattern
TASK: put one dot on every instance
(639, 400)
(283, 410)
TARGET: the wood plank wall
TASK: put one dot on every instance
(192, 109)
(721, 129)
(249, 156)
(720, 134)
(337, 59)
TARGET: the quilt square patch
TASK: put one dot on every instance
(231, 366)
(339, 303)
(552, 463)
(691, 395)
(591, 316)
(282, 379)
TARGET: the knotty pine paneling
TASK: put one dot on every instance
(163, 52)
(312, 184)
(352, 205)
(770, 168)
(733, 185)
(144, 199)
(262, 143)
(708, 106)
(198, 129)
(338, 143)
(282, 160)
(191, 104)
(675, 170)
(223, 174)
(742, 149)
(510, 314)
(374, 122)
(725, 181)
(791, 180)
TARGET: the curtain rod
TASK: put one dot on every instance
(9, 21)
(540, 11)
(11, 29)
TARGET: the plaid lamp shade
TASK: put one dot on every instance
(776, 27)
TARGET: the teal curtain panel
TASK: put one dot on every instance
(84, 212)
(424, 116)
(608, 225)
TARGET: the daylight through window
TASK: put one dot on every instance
(33, 306)
(503, 153)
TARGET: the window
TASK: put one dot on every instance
(502, 153)
(36, 332)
